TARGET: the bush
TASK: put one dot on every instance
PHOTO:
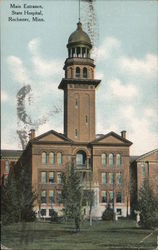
(53, 215)
(108, 214)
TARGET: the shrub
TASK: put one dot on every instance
(108, 214)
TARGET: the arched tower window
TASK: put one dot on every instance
(118, 159)
(85, 73)
(78, 51)
(78, 72)
(111, 159)
(44, 158)
(71, 74)
(81, 158)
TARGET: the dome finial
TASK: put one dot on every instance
(79, 12)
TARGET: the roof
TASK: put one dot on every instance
(8, 153)
(127, 142)
(147, 154)
(79, 36)
(60, 135)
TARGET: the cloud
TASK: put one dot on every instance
(4, 96)
(120, 90)
(106, 48)
(147, 66)
(18, 70)
(43, 67)
(143, 138)
(99, 75)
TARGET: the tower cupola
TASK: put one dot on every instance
(79, 43)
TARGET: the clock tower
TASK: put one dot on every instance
(79, 87)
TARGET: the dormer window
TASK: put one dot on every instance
(77, 72)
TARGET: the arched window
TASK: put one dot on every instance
(85, 74)
(81, 158)
(59, 158)
(52, 158)
(104, 159)
(118, 159)
(7, 166)
(71, 74)
(111, 159)
(44, 158)
(78, 72)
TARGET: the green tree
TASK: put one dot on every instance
(72, 196)
(148, 206)
(17, 197)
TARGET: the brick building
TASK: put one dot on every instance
(144, 167)
(8, 160)
(103, 161)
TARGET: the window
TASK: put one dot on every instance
(51, 177)
(44, 158)
(43, 197)
(83, 52)
(52, 158)
(111, 178)
(43, 177)
(59, 178)
(111, 196)
(59, 158)
(51, 196)
(81, 158)
(104, 178)
(104, 196)
(59, 197)
(85, 74)
(76, 103)
(119, 179)
(76, 133)
(119, 211)
(143, 169)
(7, 167)
(111, 159)
(118, 159)
(118, 197)
(86, 120)
(104, 159)
(43, 212)
(78, 72)
(71, 73)
(51, 212)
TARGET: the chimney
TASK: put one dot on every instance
(123, 134)
(32, 134)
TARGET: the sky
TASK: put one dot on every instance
(125, 50)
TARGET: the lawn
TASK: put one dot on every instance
(62, 236)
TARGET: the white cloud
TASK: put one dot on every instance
(43, 67)
(120, 90)
(148, 65)
(18, 70)
(99, 75)
(140, 133)
(106, 48)
(4, 96)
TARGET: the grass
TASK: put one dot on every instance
(102, 235)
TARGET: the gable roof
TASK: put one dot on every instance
(53, 136)
(120, 139)
(147, 154)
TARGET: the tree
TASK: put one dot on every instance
(72, 196)
(17, 197)
(148, 206)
